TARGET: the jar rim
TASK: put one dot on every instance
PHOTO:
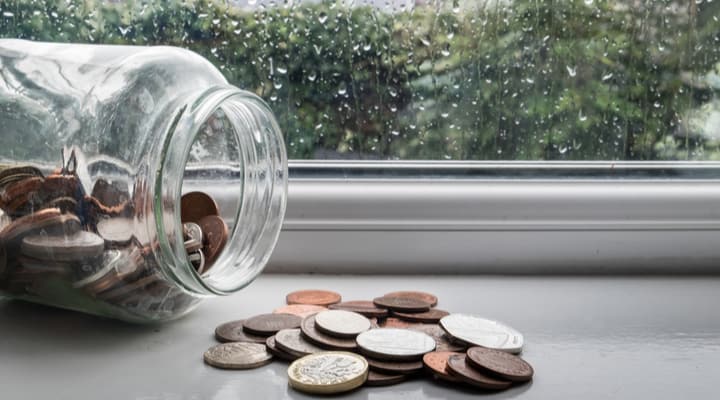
(258, 219)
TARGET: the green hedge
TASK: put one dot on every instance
(537, 80)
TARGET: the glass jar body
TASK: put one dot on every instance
(100, 144)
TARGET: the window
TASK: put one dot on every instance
(480, 135)
(441, 79)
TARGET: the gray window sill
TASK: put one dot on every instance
(587, 337)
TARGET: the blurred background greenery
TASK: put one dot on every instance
(441, 80)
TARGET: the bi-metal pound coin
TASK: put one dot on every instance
(328, 372)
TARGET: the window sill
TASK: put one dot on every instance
(511, 218)
(588, 338)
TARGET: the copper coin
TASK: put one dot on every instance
(422, 296)
(21, 193)
(194, 206)
(500, 363)
(397, 323)
(233, 332)
(311, 333)
(14, 174)
(428, 317)
(301, 310)
(270, 324)
(65, 204)
(55, 186)
(442, 340)
(436, 362)
(313, 297)
(395, 367)
(458, 367)
(110, 194)
(402, 304)
(378, 379)
(272, 348)
(215, 235)
(364, 307)
(50, 220)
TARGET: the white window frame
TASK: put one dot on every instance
(501, 217)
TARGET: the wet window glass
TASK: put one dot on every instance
(441, 79)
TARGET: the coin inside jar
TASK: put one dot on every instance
(215, 235)
(193, 237)
(79, 246)
(196, 205)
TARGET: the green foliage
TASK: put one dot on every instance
(534, 80)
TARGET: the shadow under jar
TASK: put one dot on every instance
(99, 146)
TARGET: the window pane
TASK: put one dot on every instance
(443, 79)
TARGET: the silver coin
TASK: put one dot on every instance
(341, 323)
(291, 341)
(237, 355)
(4, 220)
(197, 259)
(79, 246)
(395, 344)
(193, 231)
(477, 331)
(116, 230)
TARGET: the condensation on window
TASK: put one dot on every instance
(437, 79)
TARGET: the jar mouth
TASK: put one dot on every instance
(226, 143)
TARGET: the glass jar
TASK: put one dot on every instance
(134, 181)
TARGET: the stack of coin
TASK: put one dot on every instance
(337, 346)
(54, 235)
(205, 231)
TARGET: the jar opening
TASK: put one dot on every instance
(225, 145)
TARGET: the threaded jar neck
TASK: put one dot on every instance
(225, 142)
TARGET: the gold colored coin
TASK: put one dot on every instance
(328, 372)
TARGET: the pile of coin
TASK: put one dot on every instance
(61, 246)
(337, 346)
